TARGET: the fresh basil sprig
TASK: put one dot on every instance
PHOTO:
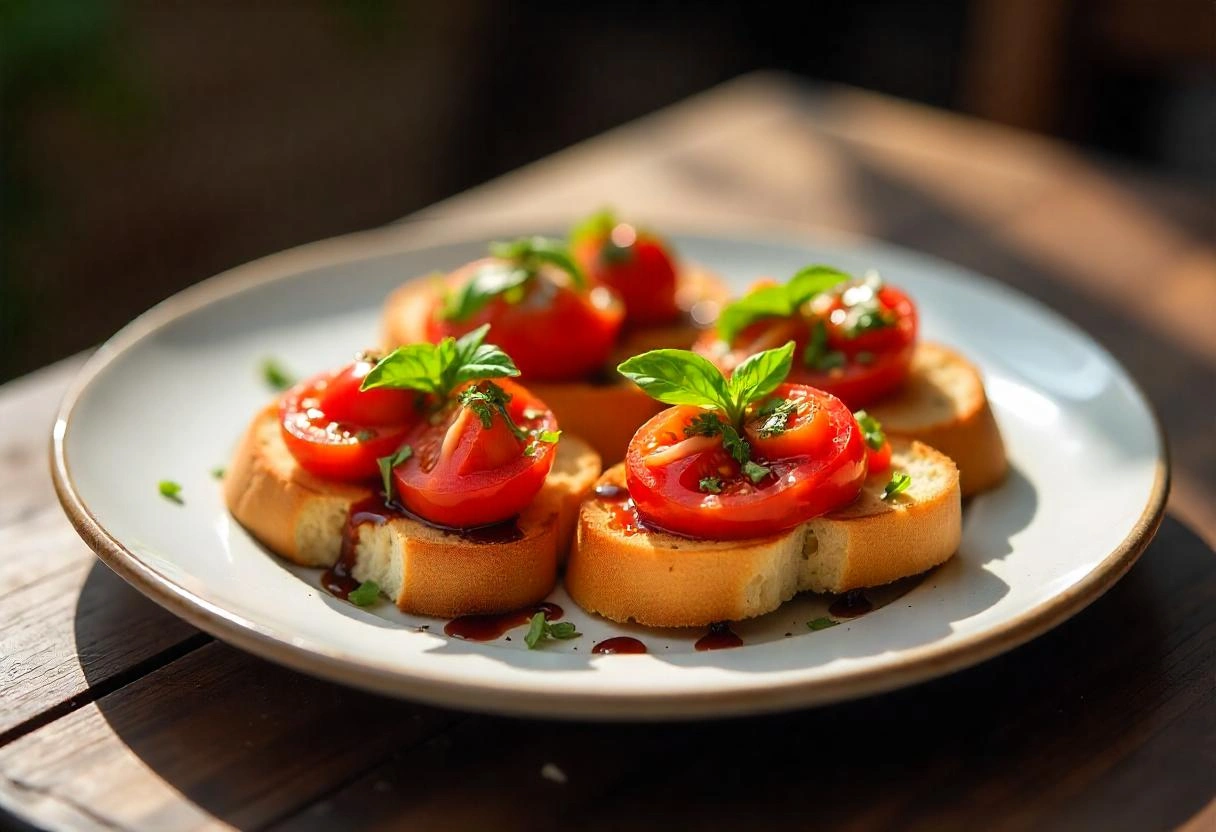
(440, 368)
(683, 377)
(780, 301)
(900, 480)
(519, 261)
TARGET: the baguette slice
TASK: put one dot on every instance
(943, 404)
(662, 580)
(604, 414)
(424, 570)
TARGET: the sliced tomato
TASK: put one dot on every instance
(692, 486)
(879, 460)
(337, 432)
(464, 474)
(857, 364)
(554, 332)
(637, 266)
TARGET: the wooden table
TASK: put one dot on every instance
(116, 715)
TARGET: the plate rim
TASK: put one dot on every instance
(912, 666)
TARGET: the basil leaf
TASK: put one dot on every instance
(536, 631)
(679, 377)
(899, 483)
(777, 301)
(760, 374)
(275, 376)
(439, 368)
(710, 485)
(813, 280)
(413, 367)
(170, 491)
(388, 463)
(562, 630)
(487, 283)
(765, 302)
(530, 252)
(365, 594)
(598, 224)
(821, 623)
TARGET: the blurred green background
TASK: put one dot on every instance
(148, 145)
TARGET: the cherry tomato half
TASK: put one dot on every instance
(337, 432)
(857, 363)
(554, 332)
(635, 264)
(692, 486)
(464, 474)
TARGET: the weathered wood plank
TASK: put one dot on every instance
(215, 739)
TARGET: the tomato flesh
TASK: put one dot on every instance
(463, 474)
(637, 266)
(870, 363)
(336, 432)
(817, 465)
(553, 333)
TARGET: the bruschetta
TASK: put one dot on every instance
(749, 490)
(427, 476)
(857, 338)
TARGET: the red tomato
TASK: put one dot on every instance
(818, 465)
(463, 474)
(868, 364)
(638, 266)
(879, 460)
(553, 333)
(337, 432)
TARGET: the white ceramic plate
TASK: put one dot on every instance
(168, 396)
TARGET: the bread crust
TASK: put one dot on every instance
(425, 570)
(605, 415)
(944, 405)
(663, 580)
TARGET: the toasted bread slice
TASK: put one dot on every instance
(423, 569)
(943, 404)
(662, 580)
(604, 414)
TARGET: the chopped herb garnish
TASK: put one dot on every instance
(388, 463)
(275, 376)
(711, 485)
(486, 399)
(817, 356)
(709, 424)
(899, 483)
(170, 491)
(871, 430)
(365, 594)
(540, 629)
(365, 435)
(218, 472)
(549, 436)
(776, 414)
(821, 623)
(755, 471)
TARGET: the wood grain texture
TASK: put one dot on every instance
(116, 716)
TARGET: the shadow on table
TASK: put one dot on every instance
(1099, 716)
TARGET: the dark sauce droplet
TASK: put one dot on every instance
(719, 637)
(620, 644)
(338, 580)
(620, 506)
(850, 605)
(507, 531)
(491, 627)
